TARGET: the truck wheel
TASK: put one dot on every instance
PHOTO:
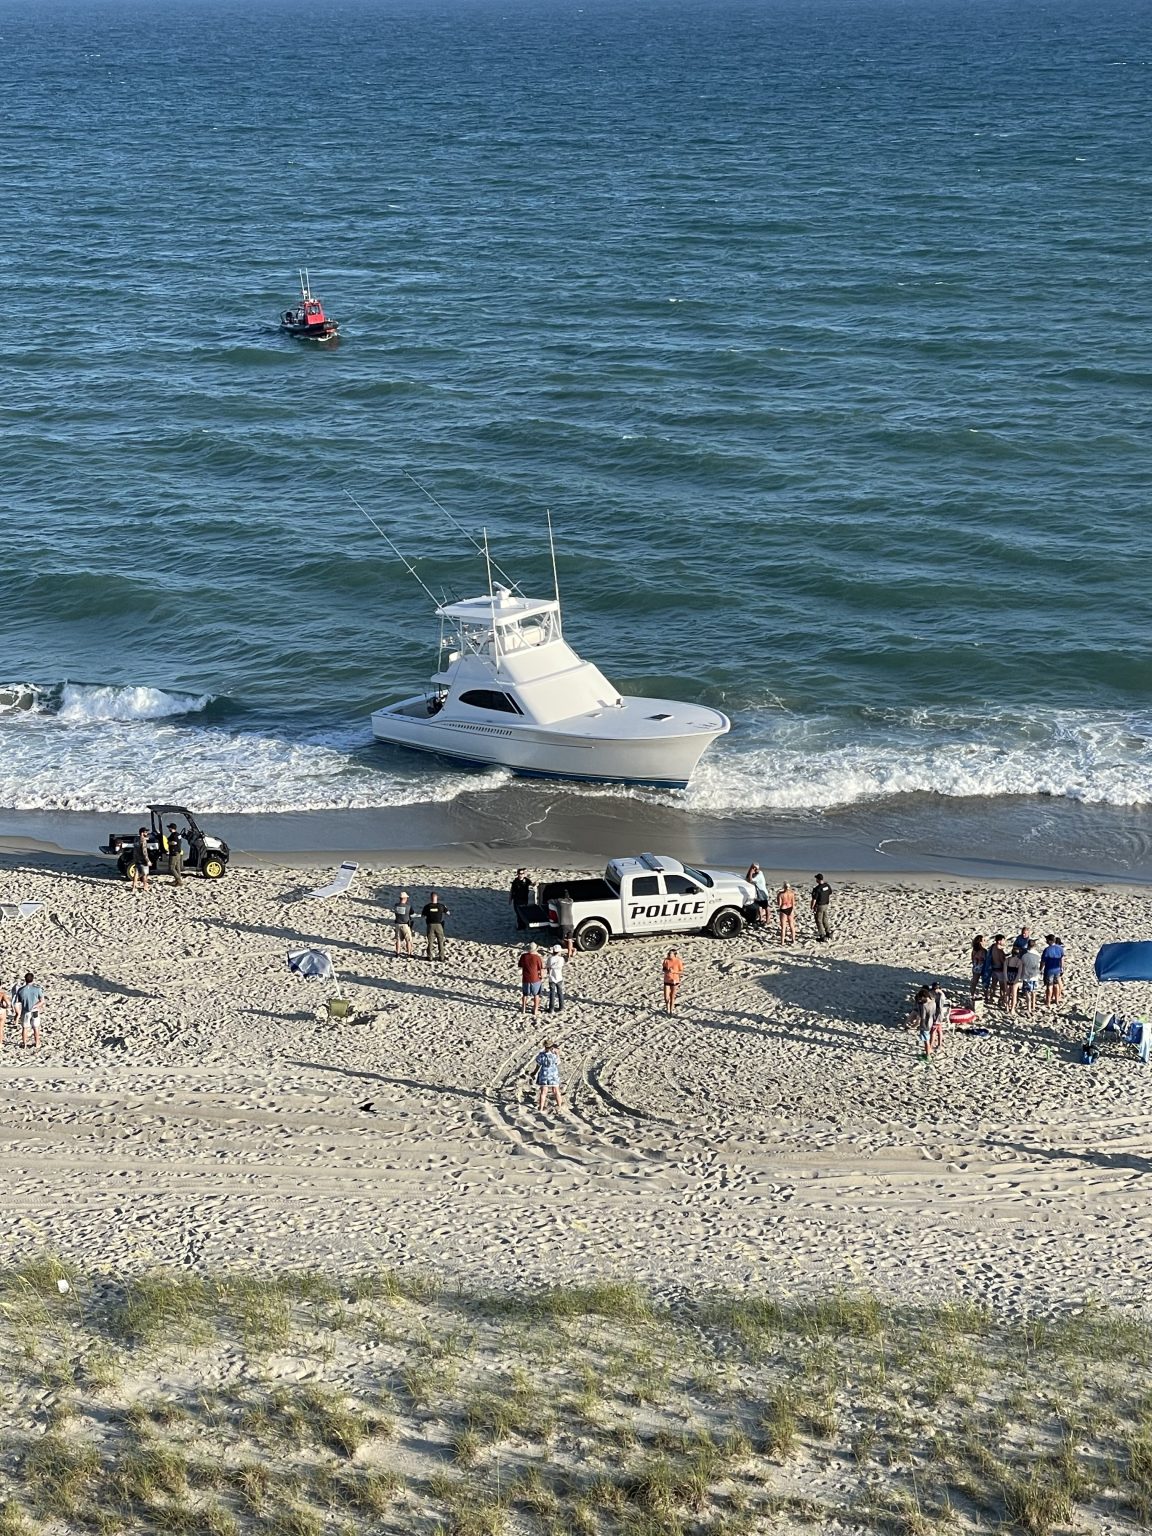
(213, 866)
(592, 935)
(726, 924)
(124, 865)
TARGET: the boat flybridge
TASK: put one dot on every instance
(511, 691)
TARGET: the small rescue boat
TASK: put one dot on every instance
(308, 319)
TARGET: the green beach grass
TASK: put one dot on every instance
(295, 1405)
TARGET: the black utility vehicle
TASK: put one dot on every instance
(207, 854)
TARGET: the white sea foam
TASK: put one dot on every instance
(817, 763)
(115, 748)
(93, 763)
(81, 704)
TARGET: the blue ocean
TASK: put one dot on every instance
(823, 330)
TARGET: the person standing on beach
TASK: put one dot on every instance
(564, 916)
(521, 896)
(1030, 977)
(141, 862)
(673, 972)
(996, 990)
(821, 900)
(531, 963)
(29, 1001)
(547, 1076)
(938, 999)
(925, 1018)
(557, 960)
(977, 962)
(786, 912)
(5, 1009)
(434, 913)
(402, 923)
(1013, 973)
(755, 878)
(1052, 962)
(175, 855)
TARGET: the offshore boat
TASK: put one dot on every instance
(308, 320)
(510, 691)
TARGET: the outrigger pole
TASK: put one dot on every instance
(475, 543)
(404, 561)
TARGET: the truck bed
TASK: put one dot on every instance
(579, 890)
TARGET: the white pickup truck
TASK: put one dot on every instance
(649, 895)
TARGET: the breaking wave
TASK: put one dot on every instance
(89, 747)
(81, 704)
(793, 763)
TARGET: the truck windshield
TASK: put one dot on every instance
(698, 874)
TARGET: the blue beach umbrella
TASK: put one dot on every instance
(1125, 962)
(1131, 961)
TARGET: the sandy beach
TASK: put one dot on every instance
(192, 1107)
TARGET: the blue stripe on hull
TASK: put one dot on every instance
(538, 773)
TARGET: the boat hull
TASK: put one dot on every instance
(666, 762)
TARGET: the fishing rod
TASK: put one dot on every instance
(403, 559)
(481, 549)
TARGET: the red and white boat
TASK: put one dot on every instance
(308, 319)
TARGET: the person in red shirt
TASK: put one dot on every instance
(673, 976)
(531, 964)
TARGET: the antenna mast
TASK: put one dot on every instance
(492, 599)
(555, 578)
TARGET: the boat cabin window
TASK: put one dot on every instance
(679, 885)
(491, 698)
(646, 885)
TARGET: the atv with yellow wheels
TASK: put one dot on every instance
(205, 853)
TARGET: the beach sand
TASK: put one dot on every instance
(191, 1107)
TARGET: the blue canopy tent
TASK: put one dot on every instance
(1125, 962)
(1121, 962)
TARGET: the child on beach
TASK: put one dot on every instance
(978, 963)
(141, 862)
(547, 1076)
(673, 971)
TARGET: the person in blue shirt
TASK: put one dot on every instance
(1052, 961)
(29, 1001)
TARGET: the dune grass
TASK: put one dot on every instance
(296, 1405)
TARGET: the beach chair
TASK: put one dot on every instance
(339, 1008)
(336, 887)
(14, 910)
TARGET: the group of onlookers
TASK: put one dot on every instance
(785, 901)
(1008, 976)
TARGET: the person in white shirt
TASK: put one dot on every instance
(555, 967)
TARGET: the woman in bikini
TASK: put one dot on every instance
(786, 911)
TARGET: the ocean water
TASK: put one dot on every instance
(823, 329)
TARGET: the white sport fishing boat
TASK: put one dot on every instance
(511, 691)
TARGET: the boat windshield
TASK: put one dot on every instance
(698, 874)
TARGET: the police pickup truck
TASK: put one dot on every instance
(649, 895)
